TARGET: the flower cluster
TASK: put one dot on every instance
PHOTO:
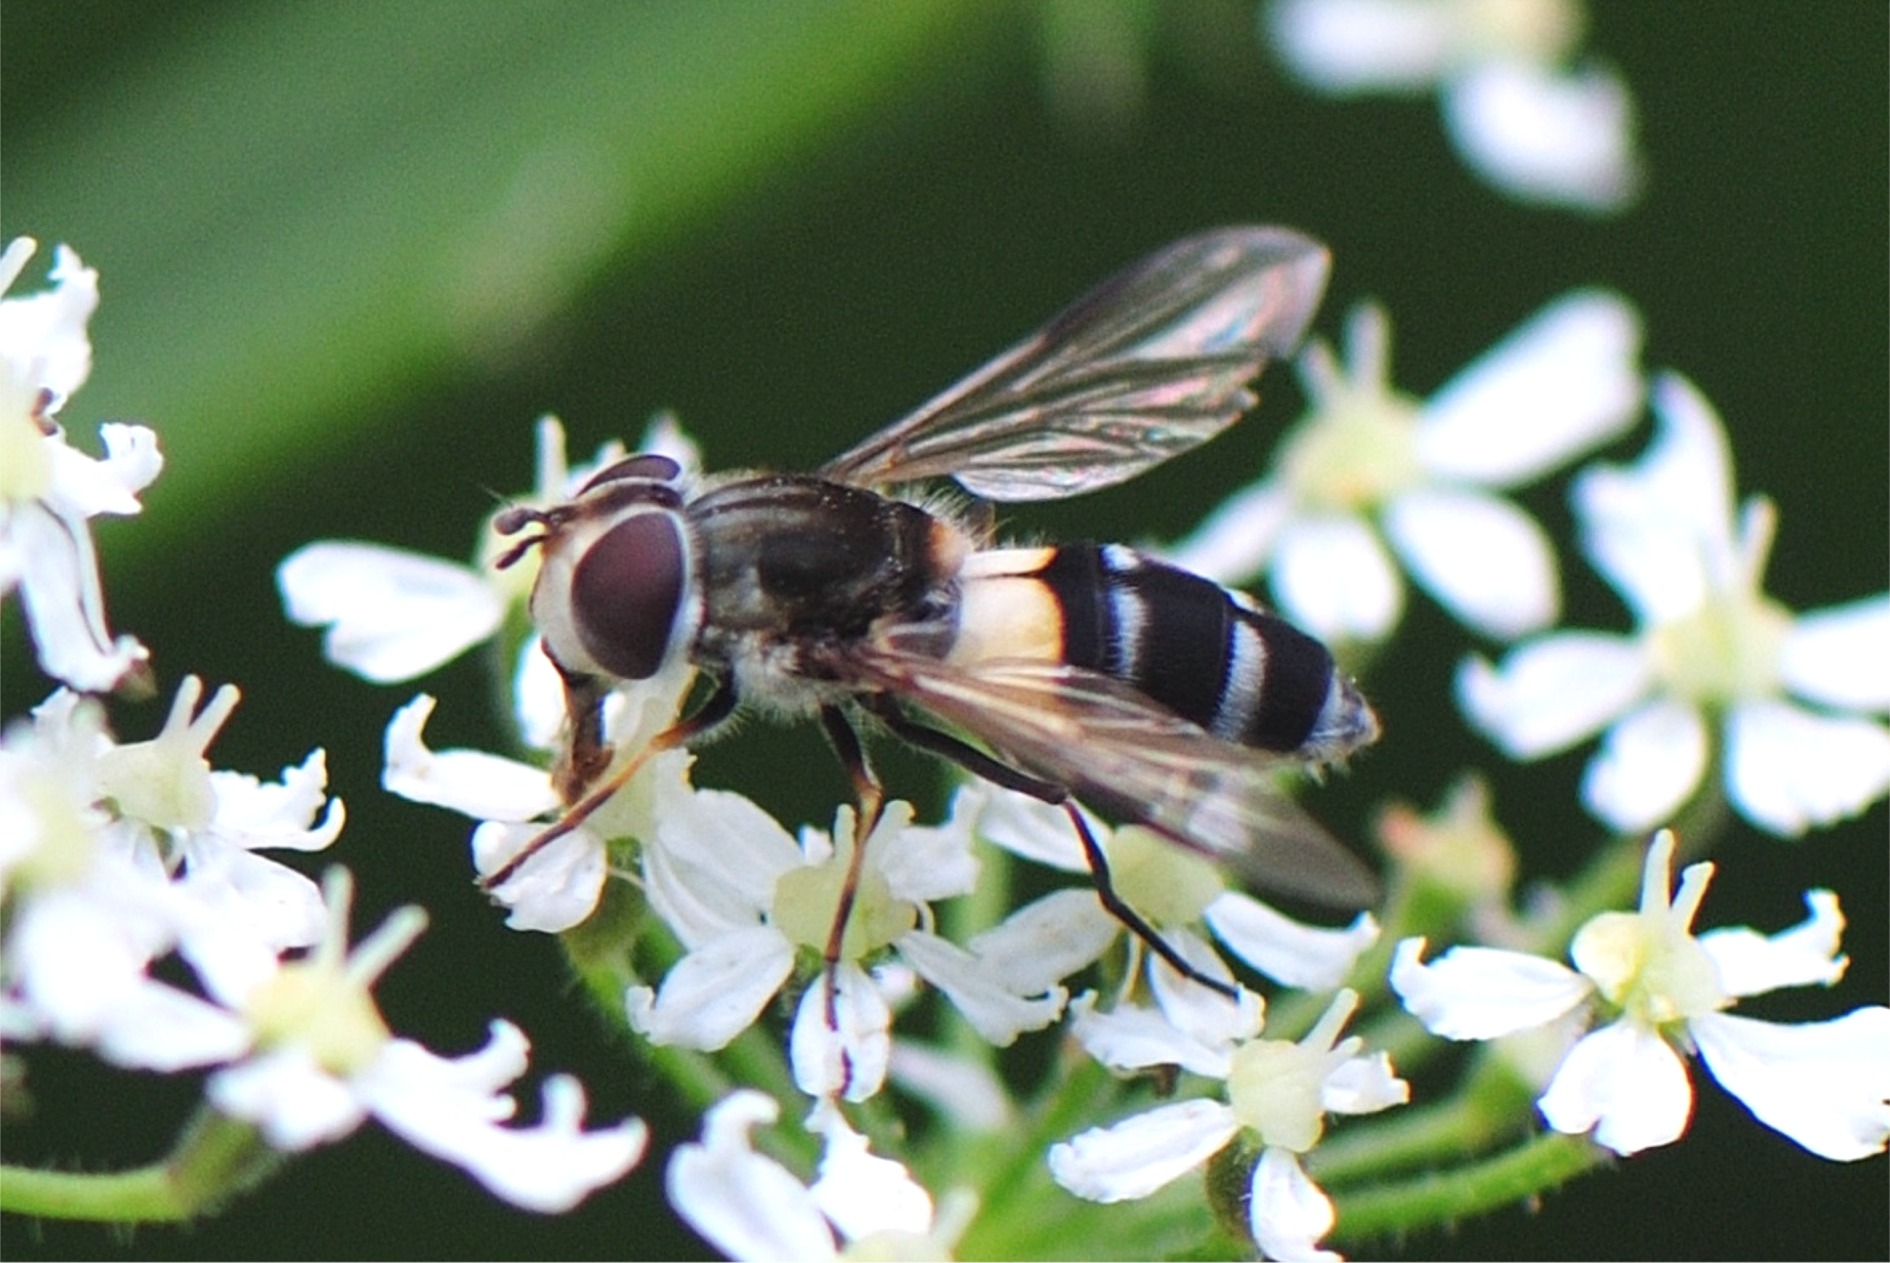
(144, 920)
(845, 928)
(860, 977)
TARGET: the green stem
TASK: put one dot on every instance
(1540, 1163)
(215, 1158)
(1492, 1103)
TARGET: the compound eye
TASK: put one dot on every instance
(649, 467)
(627, 593)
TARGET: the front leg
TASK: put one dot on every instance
(584, 755)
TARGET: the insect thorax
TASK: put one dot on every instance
(793, 569)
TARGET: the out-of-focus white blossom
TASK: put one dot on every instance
(1665, 992)
(48, 489)
(1277, 1091)
(750, 1207)
(1370, 467)
(1535, 125)
(321, 1060)
(124, 851)
(1795, 697)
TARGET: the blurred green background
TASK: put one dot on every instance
(350, 251)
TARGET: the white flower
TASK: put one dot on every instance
(1825, 1085)
(1712, 647)
(1368, 461)
(48, 489)
(1174, 890)
(747, 900)
(207, 826)
(1535, 128)
(1277, 1093)
(392, 614)
(750, 1207)
(558, 886)
(88, 910)
(321, 1060)
(131, 849)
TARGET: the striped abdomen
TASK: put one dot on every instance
(1208, 654)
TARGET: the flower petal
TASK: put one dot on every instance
(923, 863)
(1483, 992)
(1290, 952)
(1026, 827)
(1552, 692)
(1564, 381)
(391, 614)
(1363, 1085)
(845, 1054)
(472, 782)
(1047, 940)
(1750, 963)
(292, 1101)
(557, 888)
(1142, 1153)
(1543, 135)
(1347, 46)
(1484, 559)
(964, 1088)
(64, 602)
(1333, 578)
(1661, 529)
(1626, 1084)
(1788, 769)
(859, 1191)
(1648, 765)
(1824, 1084)
(1198, 1011)
(548, 1168)
(745, 1203)
(1835, 656)
(1131, 1037)
(1287, 1213)
(997, 1013)
(715, 992)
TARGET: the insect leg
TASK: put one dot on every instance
(720, 706)
(585, 757)
(871, 797)
(982, 765)
(1106, 891)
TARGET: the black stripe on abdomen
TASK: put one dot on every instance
(1189, 644)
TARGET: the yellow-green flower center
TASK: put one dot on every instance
(1649, 966)
(1727, 650)
(1274, 1088)
(25, 468)
(1356, 451)
(318, 1007)
(1160, 880)
(807, 900)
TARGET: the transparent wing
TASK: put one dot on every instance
(1150, 363)
(1130, 758)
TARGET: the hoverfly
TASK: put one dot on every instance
(1082, 671)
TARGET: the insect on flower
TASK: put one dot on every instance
(1085, 671)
